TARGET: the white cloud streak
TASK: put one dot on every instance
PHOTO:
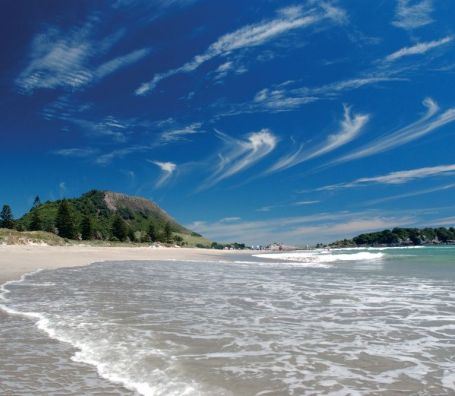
(120, 62)
(428, 123)
(180, 134)
(71, 59)
(76, 152)
(411, 194)
(411, 16)
(226, 68)
(445, 221)
(239, 155)
(62, 189)
(418, 49)
(350, 127)
(301, 203)
(284, 98)
(112, 127)
(108, 127)
(268, 208)
(254, 35)
(107, 158)
(167, 169)
(397, 177)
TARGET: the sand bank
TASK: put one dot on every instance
(17, 260)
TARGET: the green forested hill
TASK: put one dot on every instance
(103, 209)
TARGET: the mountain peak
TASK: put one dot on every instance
(102, 207)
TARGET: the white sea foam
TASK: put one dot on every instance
(255, 263)
(96, 353)
(448, 380)
(250, 327)
(381, 248)
(321, 256)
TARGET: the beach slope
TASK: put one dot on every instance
(16, 260)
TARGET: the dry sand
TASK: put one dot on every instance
(17, 260)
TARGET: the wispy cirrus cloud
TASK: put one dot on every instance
(167, 170)
(107, 158)
(301, 203)
(428, 123)
(229, 67)
(57, 60)
(76, 152)
(107, 127)
(240, 154)
(411, 15)
(418, 49)
(445, 221)
(65, 108)
(73, 58)
(350, 127)
(397, 177)
(84, 118)
(80, 117)
(230, 219)
(290, 96)
(111, 127)
(151, 9)
(120, 62)
(278, 100)
(287, 20)
(411, 194)
(62, 189)
(333, 89)
(180, 134)
(268, 208)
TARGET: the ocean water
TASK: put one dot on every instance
(340, 322)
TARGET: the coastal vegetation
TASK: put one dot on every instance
(101, 216)
(14, 237)
(234, 245)
(401, 237)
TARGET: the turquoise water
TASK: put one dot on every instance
(340, 322)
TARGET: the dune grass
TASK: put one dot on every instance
(14, 237)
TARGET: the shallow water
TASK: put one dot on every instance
(345, 322)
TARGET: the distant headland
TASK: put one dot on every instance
(400, 237)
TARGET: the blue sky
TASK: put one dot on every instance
(258, 121)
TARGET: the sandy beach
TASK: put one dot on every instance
(16, 260)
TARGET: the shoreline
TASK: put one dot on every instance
(17, 260)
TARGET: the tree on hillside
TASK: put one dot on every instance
(167, 233)
(36, 202)
(6, 217)
(443, 234)
(119, 229)
(151, 233)
(65, 222)
(414, 236)
(429, 234)
(36, 224)
(86, 228)
(131, 235)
